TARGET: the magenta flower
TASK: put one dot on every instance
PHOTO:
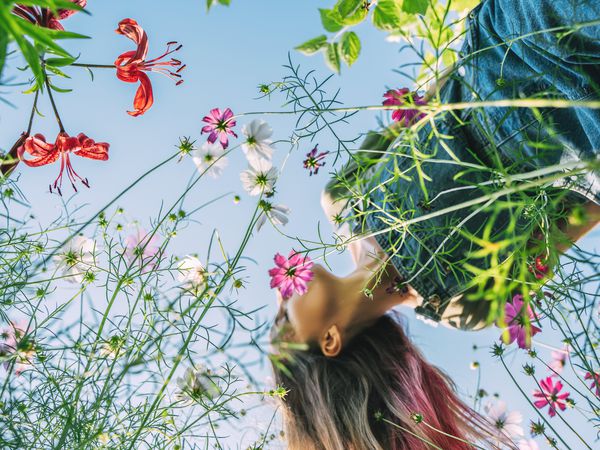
(313, 160)
(292, 274)
(517, 324)
(401, 97)
(559, 360)
(595, 377)
(550, 396)
(220, 124)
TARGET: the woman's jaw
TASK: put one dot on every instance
(334, 309)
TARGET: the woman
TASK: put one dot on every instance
(455, 205)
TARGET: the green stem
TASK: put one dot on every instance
(406, 430)
(452, 436)
(433, 110)
(33, 109)
(95, 66)
(60, 124)
(192, 331)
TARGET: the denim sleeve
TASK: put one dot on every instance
(514, 49)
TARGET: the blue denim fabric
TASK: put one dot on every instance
(506, 55)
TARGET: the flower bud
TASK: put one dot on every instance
(10, 160)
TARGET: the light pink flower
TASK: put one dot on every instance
(559, 360)
(292, 274)
(507, 423)
(595, 377)
(12, 343)
(401, 97)
(220, 125)
(313, 160)
(517, 329)
(143, 248)
(550, 396)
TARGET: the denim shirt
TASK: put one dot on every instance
(505, 56)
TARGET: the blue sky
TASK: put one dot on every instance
(229, 52)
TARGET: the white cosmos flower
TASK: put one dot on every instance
(257, 145)
(277, 214)
(198, 382)
(507, 423)
(259, 177)
(191, 271)
(76, 258)
(210, 157)
(528, 444)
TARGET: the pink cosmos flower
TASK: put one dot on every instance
(131, 65)
(595, 377)
(143, 248)
(539, 268)
(292, 274)
(43, 153)
(559, 360)
(220, 124)
(14, 344)
(401, 97)
(44, 16)
(550, 396)
(313, 160)
(515, 319)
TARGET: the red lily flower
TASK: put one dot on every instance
(131, 65)
(45, 153)
(44, 17)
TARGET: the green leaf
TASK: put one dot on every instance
(313, 46)
(415, 6)
(57, 71)
(60, 34)
(332, 57)
(211, 3)
(346, 8)
(460, 5)
(3, 48)
(354, 19)
(388, 15)
(29, 52)
(61, 90)
(40, 35)
(330, 20)
(350, 47)
(60, 62)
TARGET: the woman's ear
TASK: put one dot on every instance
(331, 341)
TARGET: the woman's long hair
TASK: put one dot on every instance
(379, 393)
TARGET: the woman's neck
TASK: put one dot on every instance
(369, 292)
